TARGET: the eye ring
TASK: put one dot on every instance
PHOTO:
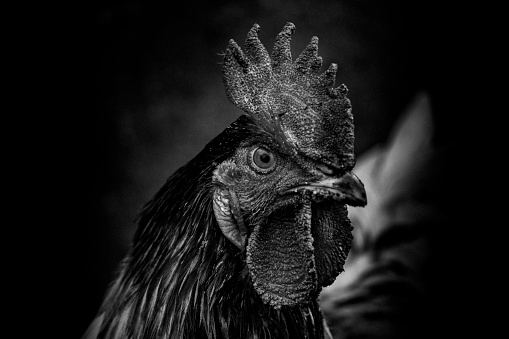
(263, 160)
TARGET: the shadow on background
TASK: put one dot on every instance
(143, 94)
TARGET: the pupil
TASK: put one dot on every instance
(265, 158)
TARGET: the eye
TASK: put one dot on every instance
(263, 159)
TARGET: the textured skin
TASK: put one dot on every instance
(297, 104)
(280, 257)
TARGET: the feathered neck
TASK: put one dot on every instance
(183, 279)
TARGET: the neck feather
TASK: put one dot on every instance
(183, 279)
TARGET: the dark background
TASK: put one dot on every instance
(130, 91)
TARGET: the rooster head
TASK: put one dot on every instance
(281, 197)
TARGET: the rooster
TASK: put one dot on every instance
(239, 242)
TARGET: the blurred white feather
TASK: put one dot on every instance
(383, 283)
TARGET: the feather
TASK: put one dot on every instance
(190, 291)
(383, 284)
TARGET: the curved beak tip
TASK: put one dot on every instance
(353, 188)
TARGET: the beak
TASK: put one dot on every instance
(353, 189)
(347, 189)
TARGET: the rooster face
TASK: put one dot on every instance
(288, 213)
(282, 196)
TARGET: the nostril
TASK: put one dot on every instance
(325, 169)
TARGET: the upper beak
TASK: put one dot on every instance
(348, 188)
(353, 189)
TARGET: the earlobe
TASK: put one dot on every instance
(228, 216)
